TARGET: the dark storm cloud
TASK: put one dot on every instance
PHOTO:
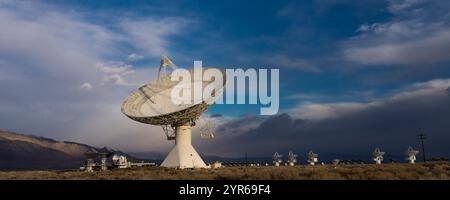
(391, 123)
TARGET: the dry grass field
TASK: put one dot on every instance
(326, 172)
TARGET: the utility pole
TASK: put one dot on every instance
(246, 161)
(422, 137)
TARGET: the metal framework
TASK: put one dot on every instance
(151, 104)
(207, 127)
(292, 158)
(312, 157)
(277, 158)
(411, 155)
(378, 155)
(131, 107)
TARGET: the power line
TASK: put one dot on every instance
(422, 137)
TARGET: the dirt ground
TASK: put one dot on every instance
(421, 171)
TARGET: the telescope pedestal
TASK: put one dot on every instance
(183, 154)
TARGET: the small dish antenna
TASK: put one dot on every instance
(277, 159)
(90, 154)
(104, 153)
(378, 156)
(292, 158)
(411, 155)
(312, 158)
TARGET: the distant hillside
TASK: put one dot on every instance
(20, 152)
(28, 152)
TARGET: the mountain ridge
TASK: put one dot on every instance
(70, 148)
(29, 152)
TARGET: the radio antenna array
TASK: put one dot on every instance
(411, 155)
(312, 158)
(277, 159)
(292, 158)
(378, 156)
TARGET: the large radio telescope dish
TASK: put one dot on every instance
(152, 104)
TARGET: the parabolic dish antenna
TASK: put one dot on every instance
(378, 155)
(292, 158)
(277, 159)
(411, 155)
(153, 104)
(312, 157)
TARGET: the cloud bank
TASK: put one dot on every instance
(417, 34)
(391, 123)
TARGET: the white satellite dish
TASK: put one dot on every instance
(292, 158)
(312, 158)
(277, 159)
(152, 104)
(378, 155)
(411, 155)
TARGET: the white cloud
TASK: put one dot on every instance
(321, 111)
(423, 89)
(415, 35)
(150, 35)
(86, 87)
(367, 27)
(114, 68)
(318, 111)
(433, 48)
(398, 6)
(135, 57)
(115, 72)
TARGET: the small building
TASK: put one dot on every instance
(216, 165)
(120, 161)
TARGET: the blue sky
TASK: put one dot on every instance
(335, 57)
(242, 34)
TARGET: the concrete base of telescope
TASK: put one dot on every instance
(183, 154)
